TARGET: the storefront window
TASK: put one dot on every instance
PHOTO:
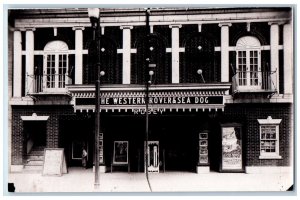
(269, 138)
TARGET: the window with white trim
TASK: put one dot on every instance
(269, 138)
(56, 64)
(248, 63)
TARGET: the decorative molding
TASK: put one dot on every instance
(269, 157)
(269, 120)
(88, 94)
(154, 92)
(126, 27)
(248, 42)
(27, 29)
(279, 22)
(168, 107)
(56, 46)
(78, 28)
(34, 117)
(175, 26)
(163, 19)
(225, 24)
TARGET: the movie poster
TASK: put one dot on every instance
(231, 148)
(120, 152)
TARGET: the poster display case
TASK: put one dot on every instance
(203, 149)
(232, 151)
(120, 155)
(153, 156)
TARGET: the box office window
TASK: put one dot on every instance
(269, 138)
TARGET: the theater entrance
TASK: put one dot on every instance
(177, 141)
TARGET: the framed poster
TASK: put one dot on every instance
(232, 154)
(153, 156)
(120, 155)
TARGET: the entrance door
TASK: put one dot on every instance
(56, 64)
(248, 63)
(153, 156)
(35, 135)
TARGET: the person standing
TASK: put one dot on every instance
(84, 157)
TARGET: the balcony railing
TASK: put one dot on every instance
(47, 83)
(254, 81)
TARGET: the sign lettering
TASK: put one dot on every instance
(150, 111)
(152, 100)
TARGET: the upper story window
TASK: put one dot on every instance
(56, 64)
(269, 138)
(248, 59)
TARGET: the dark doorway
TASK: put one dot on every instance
(74, 135)
(125, 128)
(35, 134)
(177, 136)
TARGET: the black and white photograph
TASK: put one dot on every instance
(112, 99)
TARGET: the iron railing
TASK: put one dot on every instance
(254, 81)
(47, 83)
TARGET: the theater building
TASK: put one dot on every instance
(220, 90)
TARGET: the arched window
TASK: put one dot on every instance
(248, 59)
(56, 64)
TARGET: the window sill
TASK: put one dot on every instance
(270, 157)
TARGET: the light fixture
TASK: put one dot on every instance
(94, 13)
(102, 73)
(200, 72)
(150, 74)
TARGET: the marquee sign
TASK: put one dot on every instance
(152, 100)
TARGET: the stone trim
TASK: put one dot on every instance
(34, 117)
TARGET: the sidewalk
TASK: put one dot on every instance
(82, 180)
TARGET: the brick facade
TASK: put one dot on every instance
(52, 138)
(247, 115)
(177, 49)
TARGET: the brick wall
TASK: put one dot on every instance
(52, 139)
(247, 115)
